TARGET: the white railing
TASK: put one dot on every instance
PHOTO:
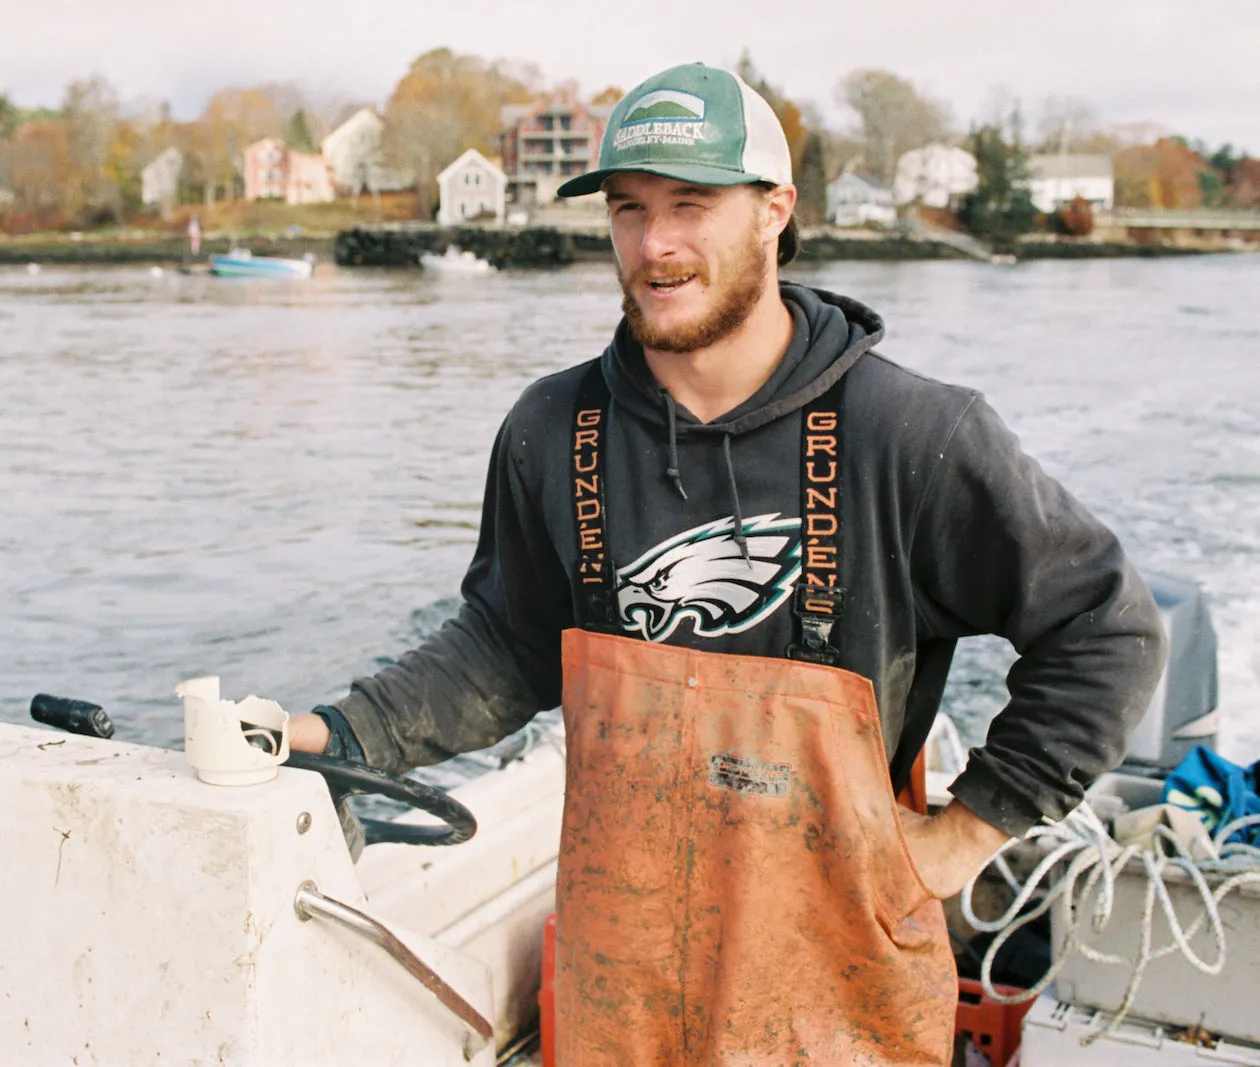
(1164, 218)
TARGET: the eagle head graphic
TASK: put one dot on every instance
(701, 574)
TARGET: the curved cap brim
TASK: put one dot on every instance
(593, 180)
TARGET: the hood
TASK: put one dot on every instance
(830, 333)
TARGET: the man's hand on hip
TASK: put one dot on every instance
(950, 848)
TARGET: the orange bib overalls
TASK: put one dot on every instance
(734, 885)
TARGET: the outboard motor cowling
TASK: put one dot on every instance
(1183, 712)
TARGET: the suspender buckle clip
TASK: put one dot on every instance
(816, 608)
(601, 610)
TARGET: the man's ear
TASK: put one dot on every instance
(779, 203)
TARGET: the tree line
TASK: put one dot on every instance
(79, 165)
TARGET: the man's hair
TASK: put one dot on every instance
(790, 238)
(789, 242)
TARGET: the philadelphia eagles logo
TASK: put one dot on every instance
(701, 575)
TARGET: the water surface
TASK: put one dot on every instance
(279, 482)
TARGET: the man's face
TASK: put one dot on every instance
(693, 260)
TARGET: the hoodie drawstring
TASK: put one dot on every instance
(674, 473)
(738, 535)
(672, 470)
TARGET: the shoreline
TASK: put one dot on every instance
(400, 245)
(158, 249)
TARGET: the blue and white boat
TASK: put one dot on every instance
(241, 263)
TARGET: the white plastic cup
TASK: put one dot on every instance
(217, 734)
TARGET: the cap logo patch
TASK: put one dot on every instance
(666, 104)
(664, 116)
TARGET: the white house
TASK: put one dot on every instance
(1060, 179)
(934, 176)
(854, 201)
(353, 150)
(159, 181)
(472, 186)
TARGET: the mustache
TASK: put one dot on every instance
(660, 272)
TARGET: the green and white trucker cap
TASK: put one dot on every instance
(693, 123)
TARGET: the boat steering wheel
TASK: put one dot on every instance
(348, 779)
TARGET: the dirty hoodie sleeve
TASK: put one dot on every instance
(1000, 547)
(493, 666)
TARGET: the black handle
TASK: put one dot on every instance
(74, 716)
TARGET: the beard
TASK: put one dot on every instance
(741, 282)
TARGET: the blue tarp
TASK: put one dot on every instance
(1217, 791)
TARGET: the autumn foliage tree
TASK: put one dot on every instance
(445, 104)
(1162, 175)
(233, 119)
(40, 169)
(90, 116)
(8, 123)
(894, 118)
(789, 114)
(608, 96)
(1075, 218)
(1244, 184)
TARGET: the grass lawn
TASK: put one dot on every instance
(239, 218)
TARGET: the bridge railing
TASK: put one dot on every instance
(1164, 218)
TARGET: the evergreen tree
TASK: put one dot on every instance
(1224, 158)
(8, 116)
(811, 182)
(297, 133)
(1212, 186)
(1000, 208)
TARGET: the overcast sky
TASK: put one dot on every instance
(1192, 67)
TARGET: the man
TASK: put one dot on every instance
(194, 235)
(739, 549)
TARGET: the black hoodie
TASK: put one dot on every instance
(949, 530)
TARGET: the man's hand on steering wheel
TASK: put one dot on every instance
(309, 736)
(346, 779)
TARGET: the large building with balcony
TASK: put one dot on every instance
(545, 143)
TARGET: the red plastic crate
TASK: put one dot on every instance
(994, 1028)
(547, 994)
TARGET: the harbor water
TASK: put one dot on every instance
(279, 482)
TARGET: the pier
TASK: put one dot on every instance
(401, 245)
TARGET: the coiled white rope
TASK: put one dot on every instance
(1084, 838)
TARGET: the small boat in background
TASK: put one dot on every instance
(241, 263)
(455, 261)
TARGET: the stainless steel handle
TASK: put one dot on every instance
(310, 902)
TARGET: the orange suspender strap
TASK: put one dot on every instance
(596, 608)
(819, 598)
